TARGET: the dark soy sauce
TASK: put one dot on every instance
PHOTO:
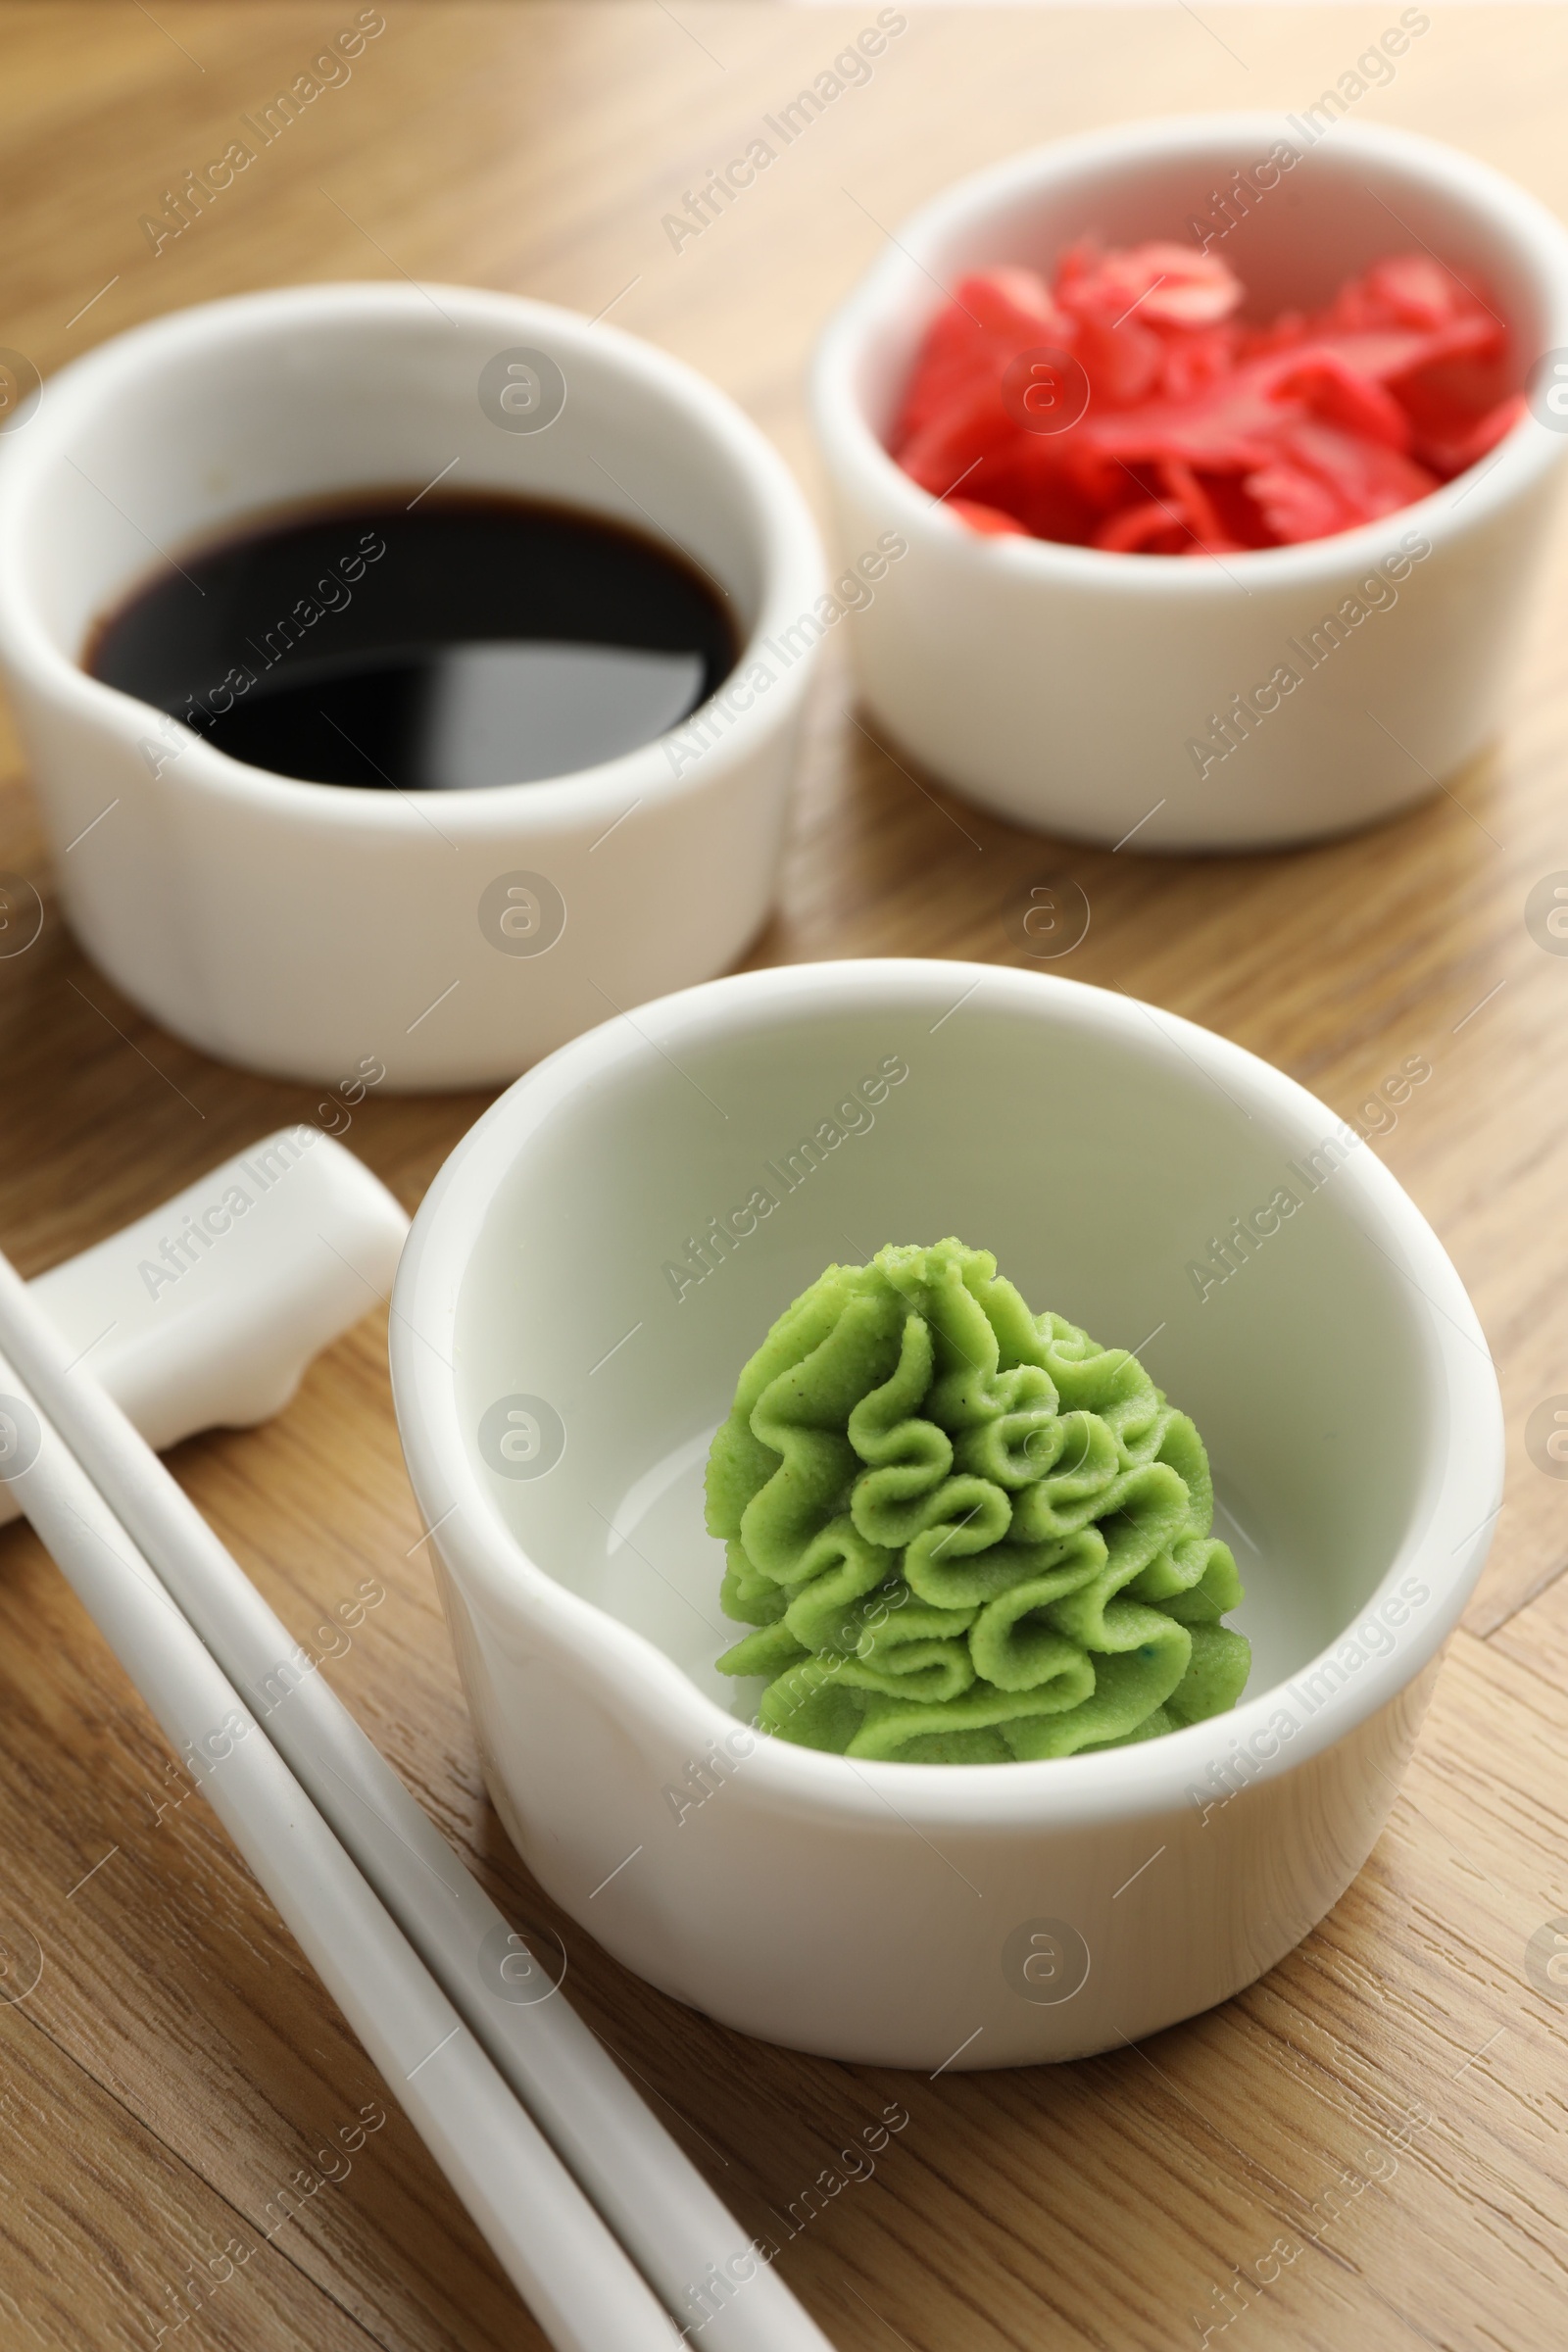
(473, 640)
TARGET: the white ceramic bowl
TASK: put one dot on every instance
(296, 927)
(1066, 687)
(555, 1398)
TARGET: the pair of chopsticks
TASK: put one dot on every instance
(602, 2224)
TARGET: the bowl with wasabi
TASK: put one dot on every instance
(949, 1488)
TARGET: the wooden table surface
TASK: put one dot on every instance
(1392, 2101)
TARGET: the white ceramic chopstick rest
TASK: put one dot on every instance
(205, 1313)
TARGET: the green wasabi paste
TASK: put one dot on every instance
(966, 1533)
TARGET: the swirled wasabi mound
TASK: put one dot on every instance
(965, 1533)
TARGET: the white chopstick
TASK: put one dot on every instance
(553, 2246)
(681, 2235)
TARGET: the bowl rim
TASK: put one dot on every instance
(898, 279)
(494, 1572)
(791, 563)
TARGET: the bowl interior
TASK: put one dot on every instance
(179, 431)
(1346, 203)
(1074, 1136)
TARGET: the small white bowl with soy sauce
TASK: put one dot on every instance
(413, 670)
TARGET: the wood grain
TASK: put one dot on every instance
(1387, 2110)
